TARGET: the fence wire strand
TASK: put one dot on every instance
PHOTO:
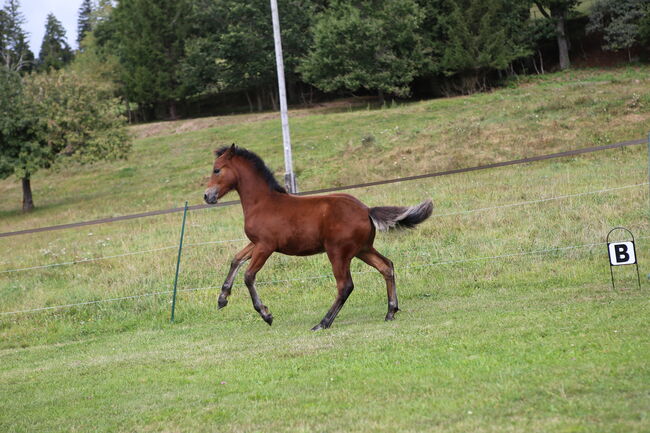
(524, 203)
(195, 244)
(75, 262)
(314, 277)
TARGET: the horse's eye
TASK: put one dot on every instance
(216, 171)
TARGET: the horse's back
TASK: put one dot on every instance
(311, 225)
(345, 222)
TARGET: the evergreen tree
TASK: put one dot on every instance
(558, 13)
(619, 21)
(644, 26)
(481, 37)
(149, 39)
(232, 47)
(55, 51)
(14, 48)
(369, 44)
(84, 21)
(101, 13)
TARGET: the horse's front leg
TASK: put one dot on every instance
(260, 255)
(240, 258)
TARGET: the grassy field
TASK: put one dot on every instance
(508, 320)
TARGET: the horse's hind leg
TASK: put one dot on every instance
(260, 255)
(240, 258)
(385, 267)
(344, 286)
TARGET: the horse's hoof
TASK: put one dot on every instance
(391, 314)
(318, 327)
(268, 319)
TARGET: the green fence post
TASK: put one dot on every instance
(178, 262)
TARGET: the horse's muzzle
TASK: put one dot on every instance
(210, 196)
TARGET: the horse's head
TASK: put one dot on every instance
(223, 178)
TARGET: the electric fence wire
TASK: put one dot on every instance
(313, 277)
(510, 205)
(563, 154)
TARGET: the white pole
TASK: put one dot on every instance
(289, 176)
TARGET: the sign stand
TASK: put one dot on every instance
(622, 253)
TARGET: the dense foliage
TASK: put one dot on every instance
(620, 22)
(163, 57)
(55, 118)
(148, 37)
(375, 45)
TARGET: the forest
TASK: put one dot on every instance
(171, 58)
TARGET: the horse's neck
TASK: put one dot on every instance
(253, 191)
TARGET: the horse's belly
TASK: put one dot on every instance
(300, 249)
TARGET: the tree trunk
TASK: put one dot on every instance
(28, 202)
(250, 103)
(291, 91)
(259, 99)
(562, 41)
(172, 110)
(380, 95)
(274, 99)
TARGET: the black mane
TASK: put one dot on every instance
(258, 164)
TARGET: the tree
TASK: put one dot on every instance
(97, 56)
(644, 26)
(14, 48)
(619, 21)
(55, 51)
(52, 119)
(558, 13)
(231, 48)
(369, 44)
(481, 37)
(149, 39)
(84, 21)
(20, 152)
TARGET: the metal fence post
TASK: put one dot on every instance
(178, 262)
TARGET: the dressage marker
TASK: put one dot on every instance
(622, 253)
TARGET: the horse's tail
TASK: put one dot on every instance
(387, 217)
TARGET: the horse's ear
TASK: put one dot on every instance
(231, 151)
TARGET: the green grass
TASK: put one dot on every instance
(529, 342)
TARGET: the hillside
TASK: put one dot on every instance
(350, 145)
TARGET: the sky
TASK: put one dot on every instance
(35, 13)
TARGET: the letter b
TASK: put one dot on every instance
(621, 253)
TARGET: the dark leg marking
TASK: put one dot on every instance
(240, 258)
(344, 286)
(385, 267)
(259, 258)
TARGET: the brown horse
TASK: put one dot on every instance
(274, 220)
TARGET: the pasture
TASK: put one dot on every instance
(508, 320)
